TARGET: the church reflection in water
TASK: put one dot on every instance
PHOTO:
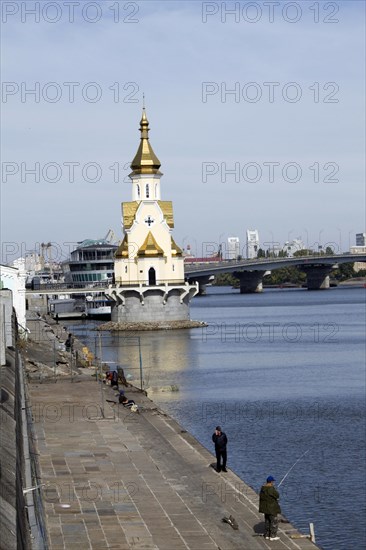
(163, 355)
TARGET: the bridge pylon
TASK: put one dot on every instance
(250, 281)
(317, 276)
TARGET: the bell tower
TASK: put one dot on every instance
(145, 166)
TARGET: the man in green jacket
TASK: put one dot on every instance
(268, 505)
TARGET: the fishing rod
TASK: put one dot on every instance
(293, 466)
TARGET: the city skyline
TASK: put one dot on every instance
(257, 124)
(56, 253)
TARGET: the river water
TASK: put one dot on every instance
(283, 373)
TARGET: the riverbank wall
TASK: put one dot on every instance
(21, 513)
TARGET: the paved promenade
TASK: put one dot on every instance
(135, 480)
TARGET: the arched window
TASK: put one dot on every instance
(156, 190)
(138, 191)
(147, 191)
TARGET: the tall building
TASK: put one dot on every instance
(30, 262)
(233, 248)
(360, 239)
(252, 243)
(149, 265)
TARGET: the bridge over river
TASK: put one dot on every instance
(249, 272)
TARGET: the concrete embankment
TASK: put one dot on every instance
(356, 281)
(117, 479)
(44, 353)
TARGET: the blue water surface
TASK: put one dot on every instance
(283, 372)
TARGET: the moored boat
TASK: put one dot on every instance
(98, 307)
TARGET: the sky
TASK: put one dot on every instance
(256, 113)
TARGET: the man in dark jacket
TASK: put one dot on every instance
(268, 505)
(220, 440)
(69, 344)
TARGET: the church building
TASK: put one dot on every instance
(149, 265)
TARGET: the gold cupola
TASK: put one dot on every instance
(145, 161)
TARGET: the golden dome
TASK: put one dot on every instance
(145, 161)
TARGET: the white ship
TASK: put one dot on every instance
(92, 264)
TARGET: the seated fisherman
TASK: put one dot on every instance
(125, 401)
